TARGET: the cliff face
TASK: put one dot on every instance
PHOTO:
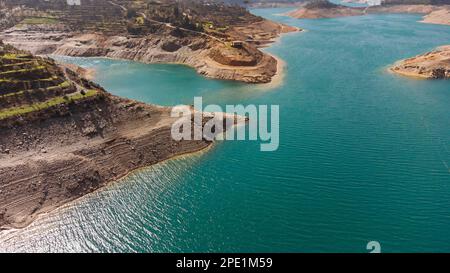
(431, 65)
(62, 136)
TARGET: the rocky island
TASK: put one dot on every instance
(62, 136)
(220, 41)
(324, 9)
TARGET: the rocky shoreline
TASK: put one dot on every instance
(431, 65)
(219, 41)
(433, 14)
(208, 56)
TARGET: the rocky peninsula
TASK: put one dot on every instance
(431, 65)
(62, 136)
(217, 40)
(440, 17)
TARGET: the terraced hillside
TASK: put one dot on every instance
(29, 85)
(218, 40)
(130, 16)
(93, 15)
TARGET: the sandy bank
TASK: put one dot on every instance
(441, 17)
(278, 78)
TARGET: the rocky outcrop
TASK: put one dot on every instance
(431, 65)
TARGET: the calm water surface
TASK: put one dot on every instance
(364, 155)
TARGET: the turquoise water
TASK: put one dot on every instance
(364, 155)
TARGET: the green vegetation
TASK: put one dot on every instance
(24, 81)
(208, 25)
(21, 110)
(14, 56)
(61, 85)
(140, 20)
(39, 21)
(17, 64)
(113, 17)
(30, 84)
(223, 29)
(41, 67)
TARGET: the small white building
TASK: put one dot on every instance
(373, 2)
(74, 2)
